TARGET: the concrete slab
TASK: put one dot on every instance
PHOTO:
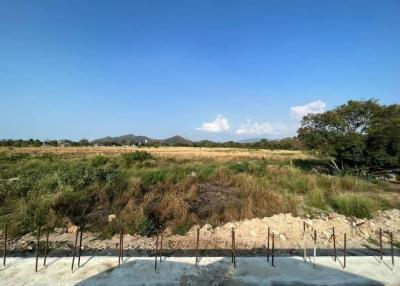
(103, 270)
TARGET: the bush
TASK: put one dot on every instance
(182, 228)
(146, 227)
(137, 156)
(354, 205)
(99, 160)
(71, 204)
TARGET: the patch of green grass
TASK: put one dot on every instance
(316, 199)
(146, 227)
(354, 205)
(182, 228)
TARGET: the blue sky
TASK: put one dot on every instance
(202, 69)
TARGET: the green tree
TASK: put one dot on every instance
(358, 134)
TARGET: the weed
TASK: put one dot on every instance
(354, 205)
(146, 227)
(316, 199)
(182, 228)
(137, 156)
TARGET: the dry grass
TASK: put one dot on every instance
(192, 153)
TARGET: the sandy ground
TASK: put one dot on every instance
(209, 271)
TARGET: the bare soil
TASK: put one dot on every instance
(362, 236)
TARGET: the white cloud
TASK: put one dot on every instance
(260, 128)
(312, 107)
(220, 124)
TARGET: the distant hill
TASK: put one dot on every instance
(251, 140)
(131, 139)
(123, 140)
(176, 140)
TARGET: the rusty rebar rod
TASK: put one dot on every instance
(344, 252)
(233, 248)
(74, 252)
(197, 246)
(268, 244)
(273, 249)
(334, 243)
(37, 249)
(391, 248)
(80, 244)
(122, 243)
(381, 244)
(161, 246)
(155, 262)
(315, 246)
(46, 250)
(305, 241)
(120, 246)
(5, 245)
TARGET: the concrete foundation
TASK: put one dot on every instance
(102, 270)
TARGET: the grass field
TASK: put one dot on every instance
(149, 189)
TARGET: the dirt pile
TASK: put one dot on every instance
(250, 234)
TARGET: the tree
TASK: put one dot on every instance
(358, 134)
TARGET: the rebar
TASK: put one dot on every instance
(5, 245)
(380, 244)
(233, 248)
(315, 246)
(273, 249)
(268, 245)
(74, 252)
(391, 247)
(344, 252)
(47, 247)
(80, 245)
(305, 241)
(122, 243)
(120, 246)
(155, 262)
(37, 249)
(334, 243)
(161, 241)
(197, 245)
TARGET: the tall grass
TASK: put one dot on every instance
(148, 193)
(354, 205)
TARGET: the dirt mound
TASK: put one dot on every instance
(362, 235)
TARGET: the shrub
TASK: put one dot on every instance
(71, 204)
(354, 205)
(137, 156)
(99, 160)
(152, 177)
(182, 228)
(145, 227)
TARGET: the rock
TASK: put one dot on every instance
(360, 222)
(230, 225)
(59, 230)
(327, 234)
(72, 229)
(207, 227)
(111, 217)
